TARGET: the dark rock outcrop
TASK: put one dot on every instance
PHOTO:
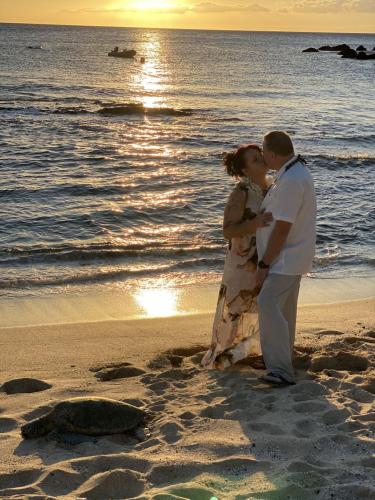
(311, 49)
(345, 51)
(334, 48)
(348, 54)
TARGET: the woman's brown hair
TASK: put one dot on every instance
(235, 161)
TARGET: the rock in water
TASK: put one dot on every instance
(311, 49)
(89, 416)
(348, 54)
(334, 48)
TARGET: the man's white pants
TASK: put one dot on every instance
(277, 303)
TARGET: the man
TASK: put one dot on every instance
(286, 249)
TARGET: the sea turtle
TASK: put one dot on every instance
(89, 416)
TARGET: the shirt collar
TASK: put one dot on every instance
(282, 169)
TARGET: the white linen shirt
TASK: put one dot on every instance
(292, 199)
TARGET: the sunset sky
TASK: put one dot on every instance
(279, 15)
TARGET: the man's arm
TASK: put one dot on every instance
(233, 225)
(275, 244)
(277, 240)
(290, 199)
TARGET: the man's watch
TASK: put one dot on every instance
(263, 265)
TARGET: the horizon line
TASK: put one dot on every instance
(188, 29)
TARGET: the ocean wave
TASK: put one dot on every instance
(68, 190)
(108, 276)
(332, 162)
(139, 109)
(342, 157)
(122, 109)
(105, 252)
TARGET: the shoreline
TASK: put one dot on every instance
(111, 340)
(148, 302)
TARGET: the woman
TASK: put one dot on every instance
(235, 333)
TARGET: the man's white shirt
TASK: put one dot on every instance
(291, 198)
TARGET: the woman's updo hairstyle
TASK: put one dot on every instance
(235, 161)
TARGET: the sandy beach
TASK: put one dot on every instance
(213, 434)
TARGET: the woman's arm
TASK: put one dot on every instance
(233, 225)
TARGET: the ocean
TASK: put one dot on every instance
(95, 200)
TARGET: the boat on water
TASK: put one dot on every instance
(34, 47)
(125, 54)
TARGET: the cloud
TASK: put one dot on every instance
(320, 6)
(365, 6)
(214, 7)
(332, 6)
(201, 7)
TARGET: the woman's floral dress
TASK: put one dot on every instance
(235, 332)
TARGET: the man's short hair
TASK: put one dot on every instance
(279, 143)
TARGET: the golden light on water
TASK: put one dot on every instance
(157, 302)
(149, 80)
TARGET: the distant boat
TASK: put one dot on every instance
(34, 47)
(125, 54)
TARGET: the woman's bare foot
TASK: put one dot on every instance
(259, 364)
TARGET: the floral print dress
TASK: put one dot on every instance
(235, 332)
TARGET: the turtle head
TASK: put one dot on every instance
(36, 428)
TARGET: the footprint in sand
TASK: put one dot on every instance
(266, 428)
(116, 371)
(369, 385)
(309, 479)
(360, 395)
(19, 479)
(187, 416)
(309, 407)
(370, 333)
(213, 412)
(352, 491)
(305, 391)
(368, 462)
(157, 407)
(24, 385)
(175, 358)
(7, 424)
(305, 428)
(171, 432)
(339, 361)
(350, 426)
(159, 387)
(59, 482)
(336, 416)
(118, 483)
(329, 332)
(177, 374)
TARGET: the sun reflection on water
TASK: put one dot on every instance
(150, 78)
(157, 302)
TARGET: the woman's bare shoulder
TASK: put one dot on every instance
(238, 193)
